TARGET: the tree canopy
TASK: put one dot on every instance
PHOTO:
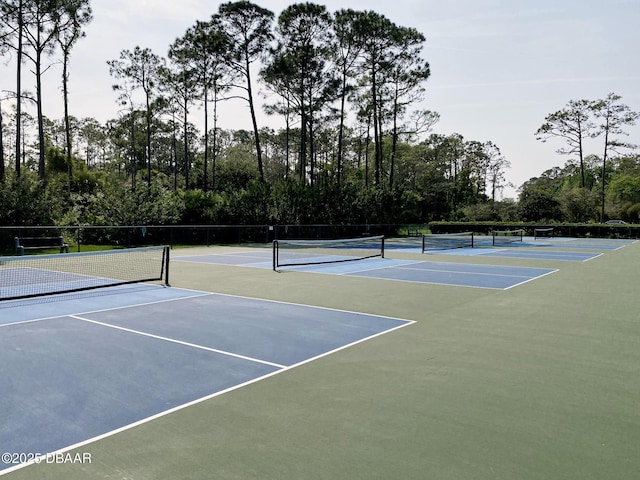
(357, 145)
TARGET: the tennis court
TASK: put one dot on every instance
(237, 372)
(75, 375)
(441, 273)
(561, 249)
(504, 246)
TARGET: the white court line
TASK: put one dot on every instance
(530, 279)
(464, 272)
(595, 256)
(421, 282)
(534, 255)
(179, 342)
(372, 269)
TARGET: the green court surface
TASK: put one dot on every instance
(541, 381)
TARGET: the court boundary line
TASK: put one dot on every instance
(459, 285)
(531, 279)
(620, 247)
(517, 257)
(426, 283)
(20, 322)
(296, 304)
(179, 342)
(473, 273)
(581, 247)
(197, 401)
(594, 257)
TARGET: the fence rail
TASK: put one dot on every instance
(143, 235)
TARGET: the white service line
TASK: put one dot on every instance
(179, 342)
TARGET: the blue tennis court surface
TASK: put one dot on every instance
(87, 365)
(440, 273)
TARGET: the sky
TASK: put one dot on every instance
(498, 67)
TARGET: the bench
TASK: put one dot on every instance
(37, 243)
(414, 233)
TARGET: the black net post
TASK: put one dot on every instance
(275, 255)
(165, 263)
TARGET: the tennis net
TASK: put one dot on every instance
(445, 241)
(542, 233)
(312, 252)
(505, 237)
(39, 275)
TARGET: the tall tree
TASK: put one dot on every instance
(409, 71)
(5, 35)
(449, 158)
(496, 166)
(573, 124)
(613, 117)
(127, 124)
(300, 61)
(249, 25)
(40, 26)
(140, 69)
(273, 75)
(179, 83)
(203, 50)
(12, 38)
(350, 40)
(75, 14)
(376, 62)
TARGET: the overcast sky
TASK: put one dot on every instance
(498, 67)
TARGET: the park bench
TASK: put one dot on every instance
(414, 233)
(38, 243)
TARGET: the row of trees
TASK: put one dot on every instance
(32, 31)
(354, 147)
(318, 67)
(575, 124)
(343, 83)
(557, 196)
(314, 66)
(436, 178)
